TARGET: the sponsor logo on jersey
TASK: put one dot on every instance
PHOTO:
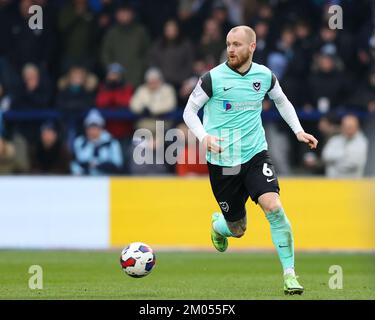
(227, 88)
(241, 106)
(227, 105)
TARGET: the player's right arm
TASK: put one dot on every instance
(198, 98)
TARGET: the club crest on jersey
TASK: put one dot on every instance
(256, 85)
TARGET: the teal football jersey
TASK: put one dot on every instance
(233, 112)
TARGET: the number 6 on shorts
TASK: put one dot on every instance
(267, 171)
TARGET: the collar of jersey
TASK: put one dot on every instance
(240, 73)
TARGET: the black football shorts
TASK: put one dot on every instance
(233, 186)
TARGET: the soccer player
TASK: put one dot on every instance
(237, 157)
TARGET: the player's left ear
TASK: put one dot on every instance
(253, 47)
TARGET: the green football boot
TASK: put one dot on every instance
(291, 285)
(219, 242)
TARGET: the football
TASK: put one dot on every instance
(137, 259)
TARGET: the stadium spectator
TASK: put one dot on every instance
(173, 55)
(235, 11)
(153, 99)
(192, 160)
(115, 93)
(335, 43)
(364, 99)
(345, 155)
(261, 28)
(49, 155)
(221, 16)
(96, 152)
(299, 69)
(364, 96)
(126, 43)
(366, 50)
(7, 157)
(329, 126)
(76, 91)
(304, 44)
(191, 16)
(34, 92)
(13, 155)
(154, 22)
(327, 85)
(5, 100)
(212, 43)
(26, 45)
(280, 59)
(105, 11)
(199, 69)
(76, 27)
(6, 17)
(153, 162)
(262, 11)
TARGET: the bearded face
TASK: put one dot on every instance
(239, 49)
(237, 60)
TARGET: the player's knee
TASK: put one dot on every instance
(272, 206)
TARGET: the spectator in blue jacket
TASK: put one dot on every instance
(96, 152)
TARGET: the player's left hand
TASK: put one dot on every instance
(307, 138)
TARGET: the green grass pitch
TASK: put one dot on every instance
(182, 275)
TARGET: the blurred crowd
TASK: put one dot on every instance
(145, 57)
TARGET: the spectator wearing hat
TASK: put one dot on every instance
(50, 155)
(153, 99)
(96, 152)
(115, 93)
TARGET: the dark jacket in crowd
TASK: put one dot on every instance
(174, 59)
(29, 46)
(77, 33)
(127, 45)
(53, 160)
(75, 99)
(331, 85)
(40, 98)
